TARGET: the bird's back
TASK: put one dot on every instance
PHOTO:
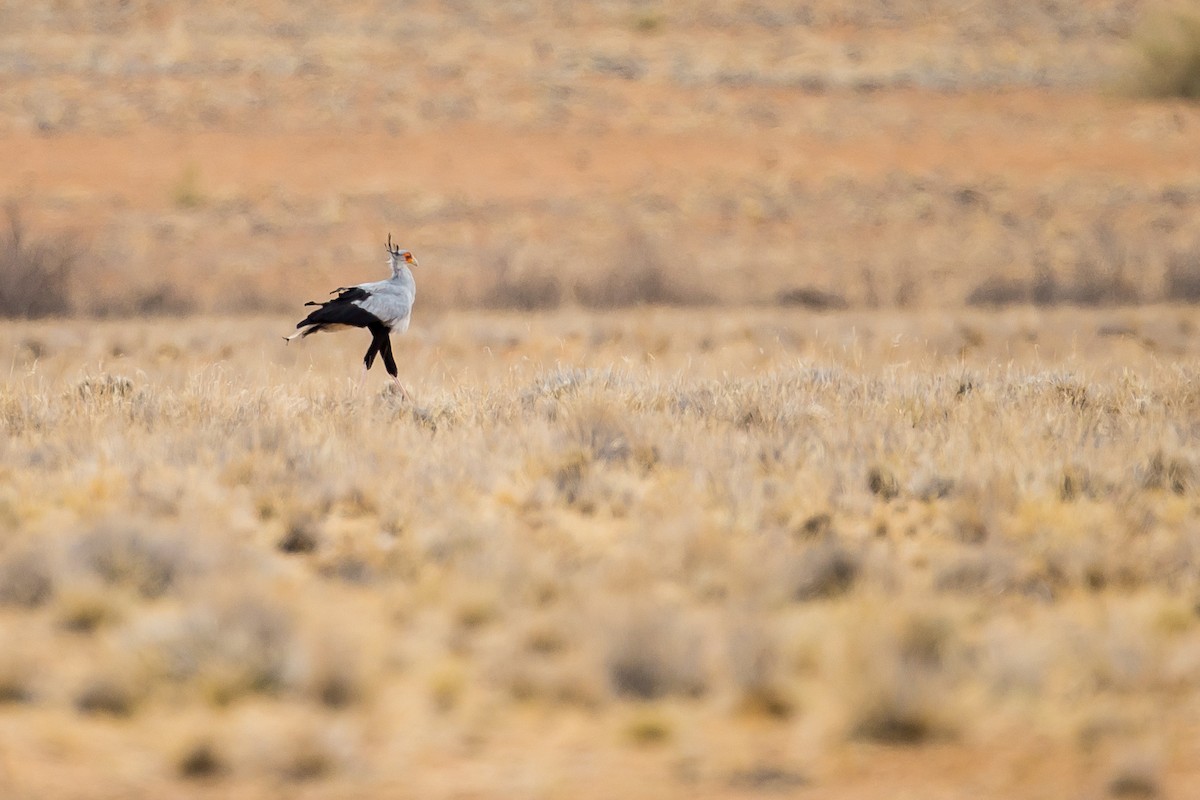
(391, 300)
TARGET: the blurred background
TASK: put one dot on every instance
(202, 157)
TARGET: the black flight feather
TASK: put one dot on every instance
(341, 310)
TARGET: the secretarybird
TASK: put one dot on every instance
(381, 307)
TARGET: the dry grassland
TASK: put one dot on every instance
(804, 401)
(655, 553)
(892, 154)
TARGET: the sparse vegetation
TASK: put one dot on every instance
(802, 401)
(35, 274)
(1167, 44)
(665, 557)
(187, 193)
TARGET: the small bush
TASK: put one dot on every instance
(757, 669)
(1167, 44)
(904, 689)
(307, 757)
(121, 556)
(765, 778)
(1136, 777)
(235, 647)
(883, 483)
(163, 300)
(653, 654)
(638, 275)
(302, 536)
(823, 571)
(1100, 282)
(1182, 284)
(527, 291)
(187, 192)
(1163, 472)
(35, 276)
(107, 694)
(648, 726)
(26, 578)
(200, 760)
(16, 680)
(997, 291)
(811, 298)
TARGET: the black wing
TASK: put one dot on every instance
(341, 310)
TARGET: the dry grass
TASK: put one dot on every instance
(1168, 45)
(662, 530)
(591, 160)
(35, 274)
(859, 539)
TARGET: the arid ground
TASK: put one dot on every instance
(805, 402)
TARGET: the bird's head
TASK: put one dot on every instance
(398, 256)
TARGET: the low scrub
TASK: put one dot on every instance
(1167, 45)
(35, 275)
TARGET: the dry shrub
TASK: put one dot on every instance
(901, 692)
(1100, 282)
(757, 668)
(26, 577)
(653, 653)
(162, 300)
(812, 298)
(303, 535)
(523, 291)
(35, 276)
(108, 692)
(150, 563)
(17, 674)
(1182, 280)
(1165, 472)
(307, 754)
(648, 726)
(337, 676)
(201, 759)
(560, 680)
(999, 291)
(883, 483)
(763, 778)
(82, 607)
(638, 275)
(603, 432)
(157, 300)
(103, 387)
(975, 574)
(823, 571)
(1167, 44)
(242, 645)
(1100, 278)
(1136, 777)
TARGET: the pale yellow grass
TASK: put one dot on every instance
(654, 553)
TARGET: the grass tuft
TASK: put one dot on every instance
(107, 693)
(653, 653)
(1167, 46)
(823, 571)
(201, 760)
(150, 563)
(26, 577)
(35, 275)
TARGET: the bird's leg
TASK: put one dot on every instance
(389, 363)
(403, 391)
(369, 359)
(362, 378)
